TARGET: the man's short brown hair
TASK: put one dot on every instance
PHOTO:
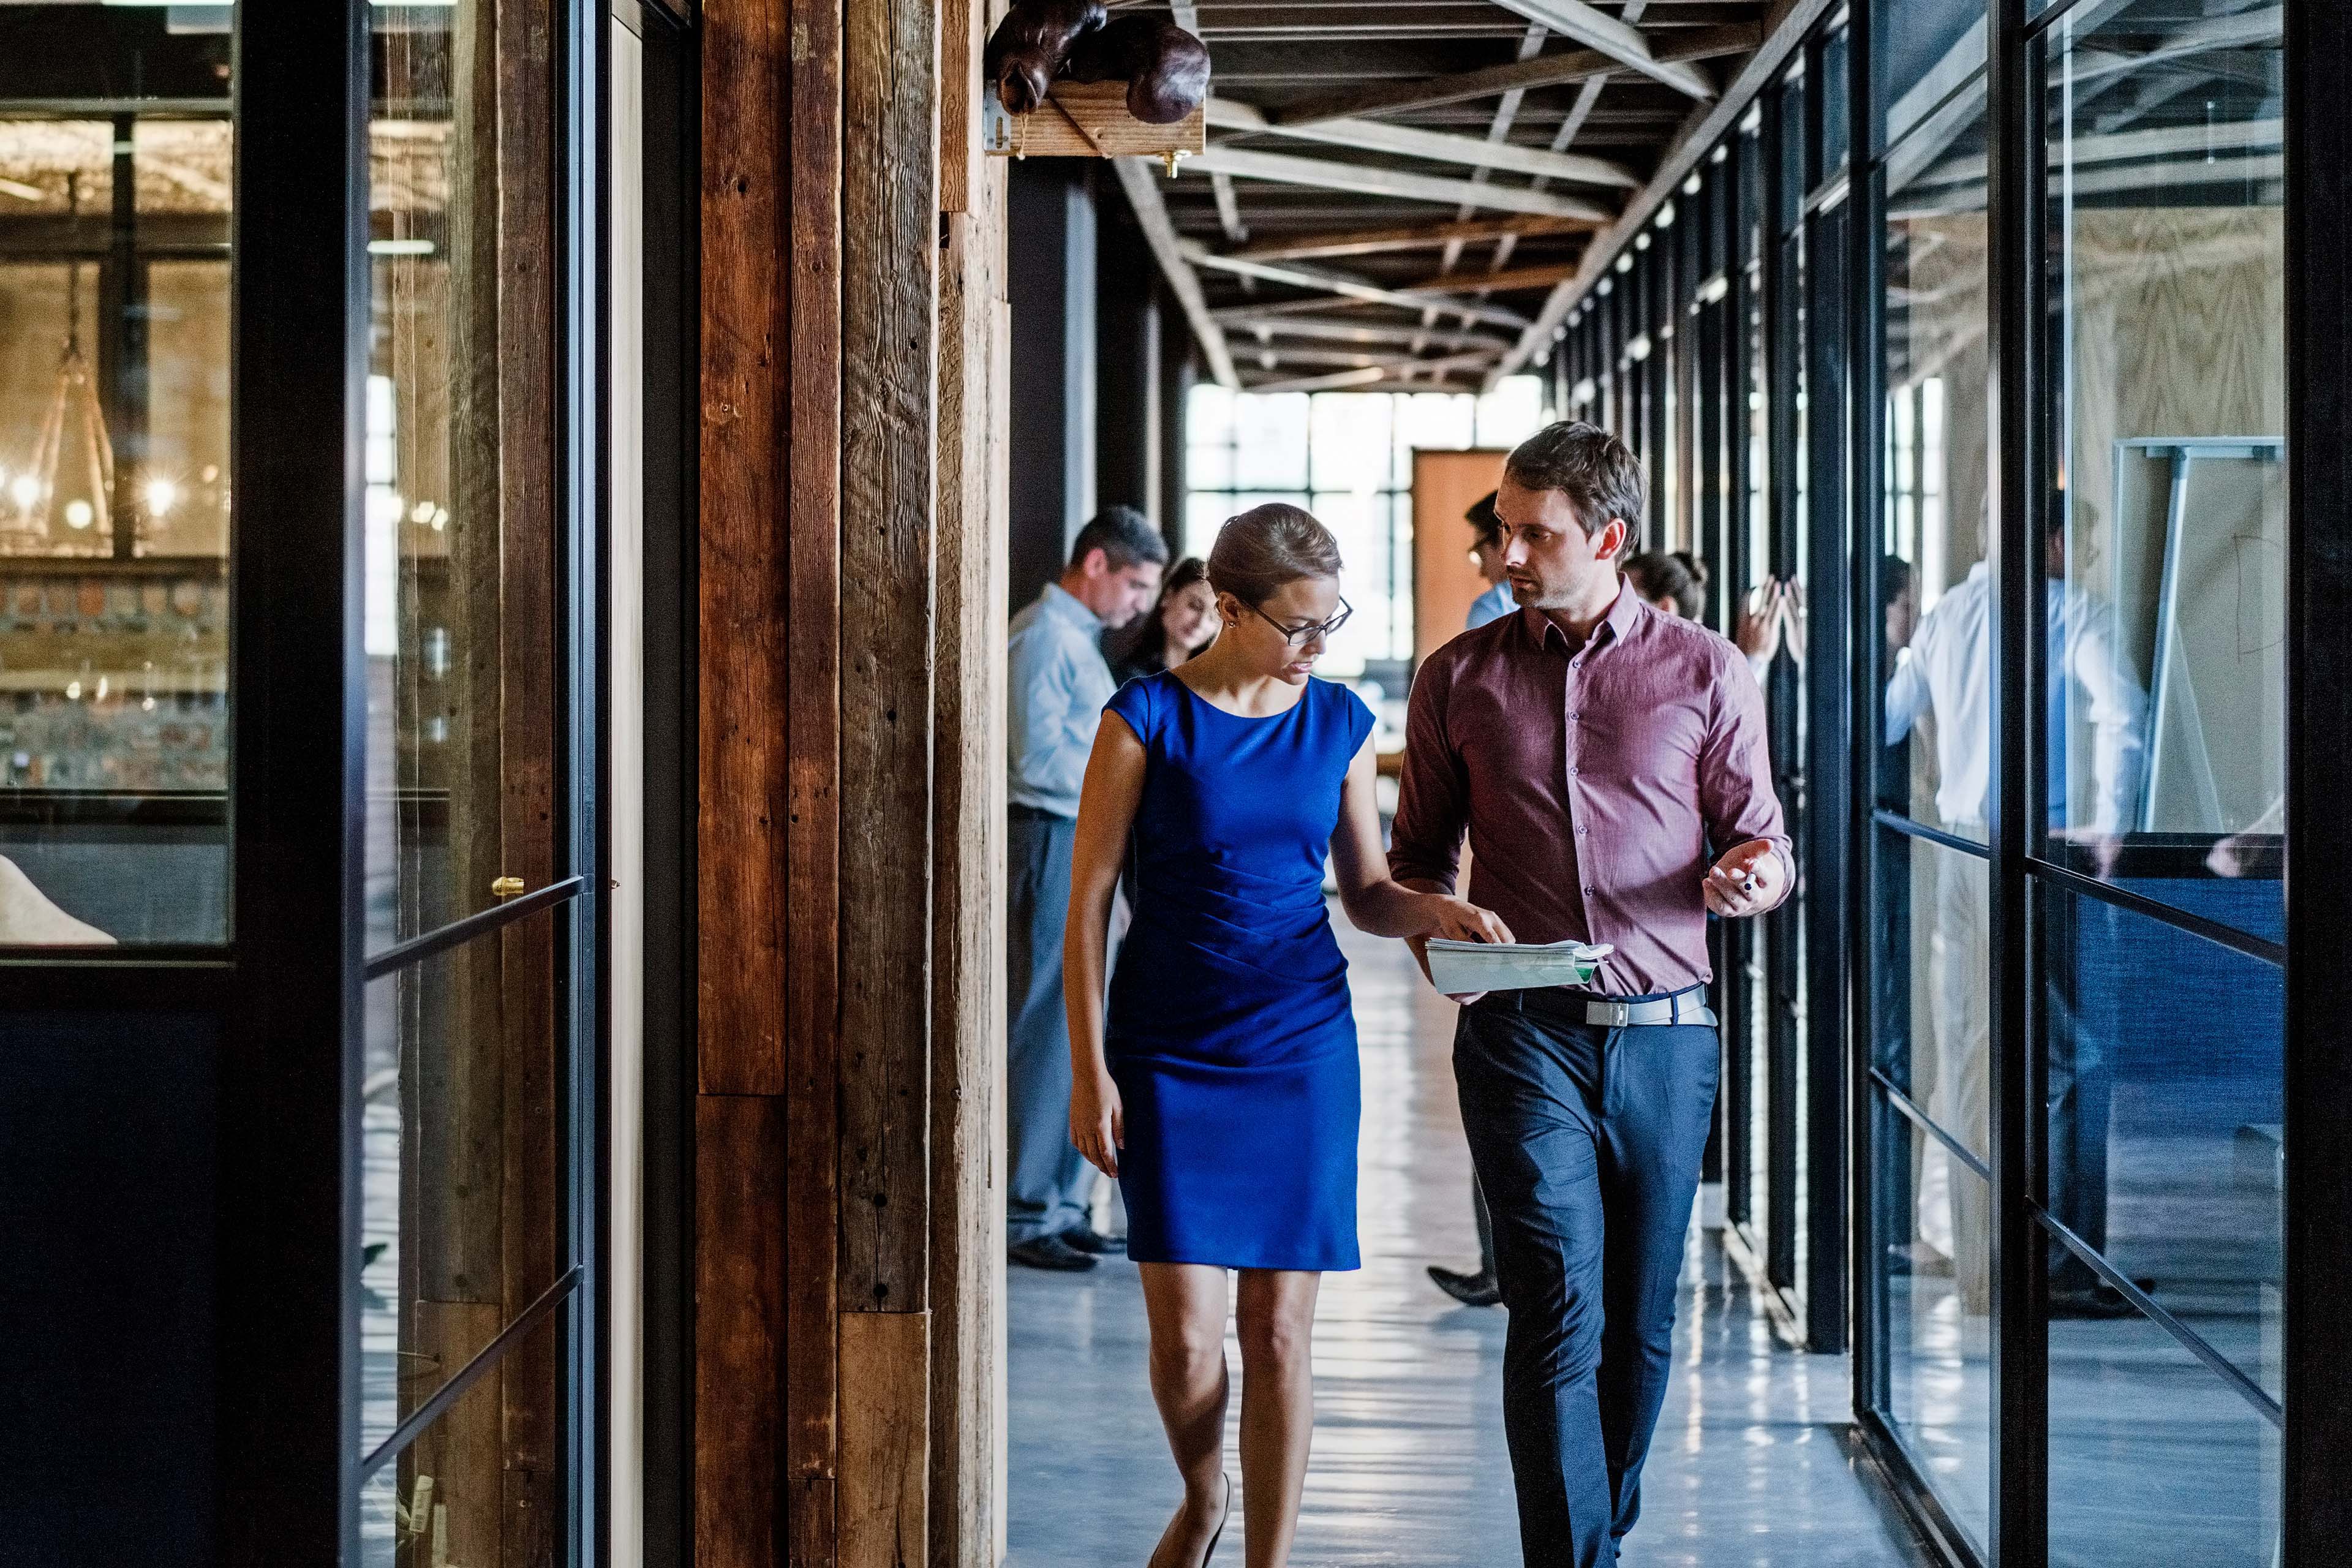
(1597, 472)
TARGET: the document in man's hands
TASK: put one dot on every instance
(1458, 968)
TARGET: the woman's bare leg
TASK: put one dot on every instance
(1186, 1303)
(1277, 1315)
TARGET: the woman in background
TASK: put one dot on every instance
(1183, 623)
(1223, 1091)
(1676, 582)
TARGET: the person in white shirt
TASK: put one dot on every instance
(1946, 671)
(1058, 681)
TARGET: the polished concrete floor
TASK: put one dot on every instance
(1753, 1467)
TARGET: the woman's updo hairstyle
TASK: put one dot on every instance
(1259, 551)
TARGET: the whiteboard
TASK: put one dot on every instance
(2197, 580)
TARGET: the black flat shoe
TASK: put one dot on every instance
(1211, 1550)
(1094, 1242)
(1222, 1518)
(1049, 1252)
(1470, 1290)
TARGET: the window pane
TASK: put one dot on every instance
(1939, 1364)
(1930, 49)
(460, 622)
(1835, 93)
(2165, 1131)
(460, 1222)
(1931, 910)
(2153, 1458)
(1937, 699)
(1270, 436)
(1209, 414)
(2167, 591)
(451, 1495)
(1351, 436)
(115, 490)
(1205, 512)
(1511, 413)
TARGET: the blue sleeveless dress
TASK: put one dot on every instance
(1229, 1031)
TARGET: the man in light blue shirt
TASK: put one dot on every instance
(1486, 551)
(1058, 682)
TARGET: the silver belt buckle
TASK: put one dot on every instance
(1616, 1015)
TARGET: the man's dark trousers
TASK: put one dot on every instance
(1046, 1179)
(1587, 1142)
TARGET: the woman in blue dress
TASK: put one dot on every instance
(1221, 1089)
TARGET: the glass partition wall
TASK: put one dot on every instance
(1982, 336)
(298, 725)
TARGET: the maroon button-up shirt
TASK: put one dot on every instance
(1597, 784)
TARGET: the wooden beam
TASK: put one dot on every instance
(1373, 375)
(1323, 174)
(1701, 130)
(1483, 282)
(1225, 114)
(1545, 70)
(889, 496)
(1139, 177)
(1407, 237)
(1249, 330)
(1337, 283)
(968, 826)
(1596, 29)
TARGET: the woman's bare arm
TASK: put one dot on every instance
(1378, 905)
(1107, 807)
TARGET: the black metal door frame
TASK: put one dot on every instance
(282, 997)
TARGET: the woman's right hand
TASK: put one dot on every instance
(1097, 1121)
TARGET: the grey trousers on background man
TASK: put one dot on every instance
(1048, 1182)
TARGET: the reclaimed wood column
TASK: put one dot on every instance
(849, 841)
(966, 1526)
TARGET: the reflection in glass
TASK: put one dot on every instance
(2166, 1129)
(1937, 699)
(484, 1472)
(2153, 1457)
(460, 1222)
(2167, 236)
(114, 483)
(460, 471)
(1939, 1364)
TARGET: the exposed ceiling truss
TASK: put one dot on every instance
(1395, 190)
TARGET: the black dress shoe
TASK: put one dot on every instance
(2100, 1301)
(1049, 1252)
(1470, 1290)
(1094, 1242)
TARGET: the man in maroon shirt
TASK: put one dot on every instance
(1609, 765)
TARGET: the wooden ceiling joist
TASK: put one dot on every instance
(1364, 179)
(1350, 287)
(1544, 71)
(1436, 146)
(1264, 325)
(1624, 43)
(1407, 237)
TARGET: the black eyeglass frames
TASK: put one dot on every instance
(1299, 637)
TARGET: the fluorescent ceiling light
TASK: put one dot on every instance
(23, 191)
(399, 247)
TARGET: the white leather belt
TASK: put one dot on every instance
(1682, 1007)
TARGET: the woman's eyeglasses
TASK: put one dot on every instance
(1299, 637)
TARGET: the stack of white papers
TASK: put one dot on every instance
(1458, 967)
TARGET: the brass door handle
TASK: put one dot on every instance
(506, 887)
